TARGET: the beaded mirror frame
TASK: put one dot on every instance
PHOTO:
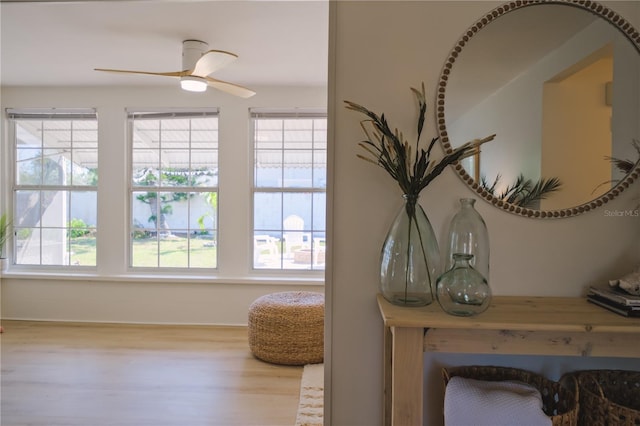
(591, 6)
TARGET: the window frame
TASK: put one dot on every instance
(285, 113)
(112, 251)
(167, 113)
(13, 115)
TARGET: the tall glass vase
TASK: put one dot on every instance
(410, 258)
(468, 234)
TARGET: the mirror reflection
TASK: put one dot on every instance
(560, 86)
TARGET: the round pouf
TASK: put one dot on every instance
(288, 328)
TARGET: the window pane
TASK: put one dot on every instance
(204, 133)
(319, 211)
(204, 211)
(56, 169)
(54, 208)
(28, 134)
(266, 250)
(158, 213)
(84, 167)
(295, 240)
(27, 245)
(82, 247)
(268, 169)
(174, 161)
(56, 134)
(27, 208)
(203, 251)
(174, 252)
(85, 134)
(320, 169)
(142, 212)
(297, 204)
(298, 134)
(54, 247)
(268, 133)
(146, 134)
(204, 138)
(267, 211)
(28, 167)
(298, 169)
(176, 155)
(144, 174)
(81, 208)
(144, 249)
(204, 167)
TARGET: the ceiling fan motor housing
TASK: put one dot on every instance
(192, 50)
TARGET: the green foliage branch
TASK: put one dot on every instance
(523, 192)
(5, 231)
(412, 168)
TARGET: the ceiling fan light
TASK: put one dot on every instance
(193, 84)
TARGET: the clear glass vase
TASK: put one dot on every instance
(410, 257)
(462, 290)
(468, 234)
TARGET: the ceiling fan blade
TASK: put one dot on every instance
(212, 61)
(166, 74)
(230, 88)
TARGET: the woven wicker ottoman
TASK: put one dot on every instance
(288, 328)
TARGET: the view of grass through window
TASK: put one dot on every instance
(55, 186)
(173, 189)
(174, 198)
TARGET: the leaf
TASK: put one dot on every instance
(412, 168)
(523, 192)
(5, 225)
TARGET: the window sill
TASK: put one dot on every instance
(166, 278)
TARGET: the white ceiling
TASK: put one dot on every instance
(60, 43)
(279, 42)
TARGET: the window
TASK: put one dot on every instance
(289, 191)
(154, 209)
(55, 187)
(174, 189)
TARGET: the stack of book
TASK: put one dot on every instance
(615, 300)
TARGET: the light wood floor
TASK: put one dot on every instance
(127, 375)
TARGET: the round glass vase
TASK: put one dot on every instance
(410, 257)
(462, 290)
(468, 234)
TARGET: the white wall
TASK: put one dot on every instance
(114, 295)
(379, 49)
(515, 113)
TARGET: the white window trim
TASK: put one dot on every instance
(257, 113)
(42, 114)
(160, 113)
(112, 125)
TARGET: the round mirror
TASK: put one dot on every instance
(558, 82)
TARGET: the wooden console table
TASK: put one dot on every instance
(511, 325)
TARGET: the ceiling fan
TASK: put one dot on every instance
(197, 64)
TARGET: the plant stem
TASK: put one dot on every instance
(424, 256)
(411, 212)
(406, 269)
